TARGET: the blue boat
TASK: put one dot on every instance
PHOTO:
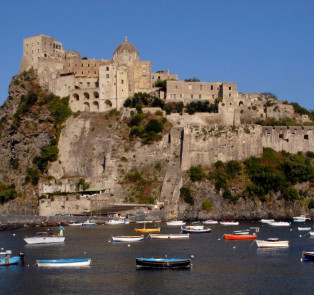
(163, 263)
(307, 256)
(6, 259)
(64, 262)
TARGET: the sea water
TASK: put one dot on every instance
(219, 267)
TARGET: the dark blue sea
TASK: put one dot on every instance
(219, 267)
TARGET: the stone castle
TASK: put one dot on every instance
(99, 85)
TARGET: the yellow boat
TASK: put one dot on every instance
(147, 230)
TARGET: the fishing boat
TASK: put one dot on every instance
(195, 230)
(266, 220)
(301, 218)
(272, 243)
(88, 223)
(64, 262)
(163, 263)
(210, 221)
(240, 235)
(229, 222)
(307, 256)
(304, 228)
(44, 238)
(175, 223)
(7, 260)
(76, 224)
(128, 238)
(169, 236)
(279, 223)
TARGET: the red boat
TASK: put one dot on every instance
(240, 236)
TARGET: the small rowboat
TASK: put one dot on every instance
(76, 224)
(272, 243)
(229, 222)
(89, 223)
(195, 230)
(242, 236)
(301, 218)
(143, 221)
(169, 236)
(266, 220)
(279, 223)
(64, 262)
(115, 221)
(210, 221)
(44, 238)
(147, 230)
(307, 256)
(304, 228)
(128, 238)
(175, 223)
(7, 260)
(163, 263)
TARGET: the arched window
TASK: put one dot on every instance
(86, 95)
(108, 104)
(86, 106)
(95, 106)
(241, 103)
(76, 96)
(96, 94)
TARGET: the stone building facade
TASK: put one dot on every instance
(99, 85)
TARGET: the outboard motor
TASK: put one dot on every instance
(22, 257)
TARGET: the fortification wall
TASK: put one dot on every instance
(292, 139)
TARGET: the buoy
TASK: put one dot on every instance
(129, 245)
(218, 239)
(300, 236)
(290, 229)
(234, 247)
(192, 256)
(13, 235)
(84, 252)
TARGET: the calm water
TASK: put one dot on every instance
(219, 267)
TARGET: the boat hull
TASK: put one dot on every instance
(304, 228)
(162, 263)
(147, 230)
(307, 256)
(272, 244)
(44, 240)
(128, 238)
(279, 223)
(169, 236)
(229, 222)
(210, 222)
(196, 231)
(240, 237)
(64, 262)
(175, 223)
(10, 261)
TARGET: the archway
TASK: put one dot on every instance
(96, 94)
(86, 106)
(76, 96)
(108, 104)
(86, 95)
(95, 106)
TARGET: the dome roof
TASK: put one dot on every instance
(125, 46)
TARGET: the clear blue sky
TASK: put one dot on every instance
(263, 45)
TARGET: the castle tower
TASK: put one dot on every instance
(126, 53)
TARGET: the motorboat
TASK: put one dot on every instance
(6, 259)
(127, 238)
(169, 236)
(143, 221)
(301, 218)
(279, 223)
(114, 221)
(44, 238)
(176, 223)
(307, 256)
(76, 224)
(64, 262)
(163, 263)
(210, 221)
(229, 222)
(266, 220)
(272, 243)
(88, 223)
(195, 230)
(304, 228)
(240, 235)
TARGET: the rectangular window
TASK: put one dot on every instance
(88, 84)
(191, 95)
(190, 87)
(107, 68)
(176, 86)
(180, 95)
(144, 73)
(122, 81)
(201, 87)
(211, 87)
(229, 94)
(200, 96)
(229, 88)
(107, 76)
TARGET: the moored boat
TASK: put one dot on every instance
(272, 243)
(240, 235)
(76, 224)
(307, 256)
(143, 221)
(195, 230)
(311, 233)
(279, 223)
(127, 238)
(304, 228)
(175, 223)
(115, 221)
(64, 262)
(88, 223)
(44, 238)
(210, 221)
(7, 260)
(169, 236)
(229, 222)
(163, 263)
(147, 230)
(266, 220)
(301, 218)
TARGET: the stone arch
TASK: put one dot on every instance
(108, 104)
(241, 103)
(96, 94)
(76, 96)
(86, 106)
(86, 95)
(95, 106)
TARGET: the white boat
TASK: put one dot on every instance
(88, 222)
(301, 218)
(272, 243)
(210, 221)
(169, 236)
(311, 233)
(143, 221)
(64, 262)
(128, 238)
(266, 220)
(44, 238)
(116, 221)
(229, 222)
(279, 223)
(175, 223)
(75, 224)
(304, 228)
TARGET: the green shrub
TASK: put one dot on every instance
(290, 194)
(7, 193)
(196, 173)
(32, 176)
(207, 205)
(185, 193)
(233, 168)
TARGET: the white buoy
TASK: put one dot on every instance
(84, 252)
(129, 245)
(218, 239)
(13, 235)
(234, 247)
(290, 229)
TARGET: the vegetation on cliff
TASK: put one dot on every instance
(274, 173)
